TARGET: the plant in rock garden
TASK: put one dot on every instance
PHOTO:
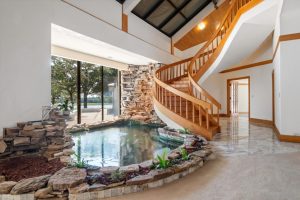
(185, 131)
(80, 163)
(184, 154)
(117, 176)
(65, 106)
(163, 161)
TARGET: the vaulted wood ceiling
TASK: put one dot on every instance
(197, 36)
(168, 16)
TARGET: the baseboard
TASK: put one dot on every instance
(221, 115)
(262, 121)
(281, 137)
(286, 138)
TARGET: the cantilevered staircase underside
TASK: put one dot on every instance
(177, 93)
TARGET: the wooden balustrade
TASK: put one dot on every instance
(197, 103)
(217, 41)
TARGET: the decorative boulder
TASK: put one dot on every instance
(84, 187)
(43, 193)
(129, 168)
(109, 170)
(30, 184)
(139, 180)
(67, 178)
(19, 141)
(3, 146)
(5, 187)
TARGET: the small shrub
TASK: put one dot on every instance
(184, 154)
(65, 106)
(163, 161)
(80, 163)
(117, 176)
(185, 131)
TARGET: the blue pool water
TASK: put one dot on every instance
(118, 146)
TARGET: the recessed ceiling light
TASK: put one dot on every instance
(201, 26)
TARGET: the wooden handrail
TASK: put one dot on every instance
(205, 93)
(183, 95)
(173, 64)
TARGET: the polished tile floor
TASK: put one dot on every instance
(239, 137)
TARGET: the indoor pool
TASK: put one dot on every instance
(118, 145)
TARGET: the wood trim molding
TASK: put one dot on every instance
(221, 115)
(124, 22)
(228, 94)
(282, 38)
(257, 64)
(281, 137)
(286, 138)
(172, 46)
(261, 121)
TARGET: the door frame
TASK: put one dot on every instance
(228, 94)
(273, 97)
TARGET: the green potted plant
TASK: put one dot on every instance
(65, 107)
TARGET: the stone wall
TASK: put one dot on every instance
(46, 138)
(136, 93)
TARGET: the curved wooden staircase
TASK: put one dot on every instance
(176, 91)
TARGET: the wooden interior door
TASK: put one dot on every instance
(234, 97)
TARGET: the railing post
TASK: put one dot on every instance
(186, 109)
(200, 116)
(175, 105)
(180, 106)
(207, 119)
(193, 112)
(218, 116)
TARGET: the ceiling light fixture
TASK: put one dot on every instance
(201, 26)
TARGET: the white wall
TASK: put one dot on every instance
(286, 67)
(145, 31)
(243, 98)
(24, 61)
(260, 89)
(290, 87)
(107, 10)
(25, 49)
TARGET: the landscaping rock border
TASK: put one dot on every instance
(46, 138)
(83, 184)
(121, 121)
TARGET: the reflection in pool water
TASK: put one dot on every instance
(118, 146)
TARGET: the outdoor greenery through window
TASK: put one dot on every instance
(99, 90)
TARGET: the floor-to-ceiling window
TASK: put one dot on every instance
(89, 91)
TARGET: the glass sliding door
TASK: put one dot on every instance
(91, 93)
(111, 99)
(64, 86)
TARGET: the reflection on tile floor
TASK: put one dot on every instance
(239, 137)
